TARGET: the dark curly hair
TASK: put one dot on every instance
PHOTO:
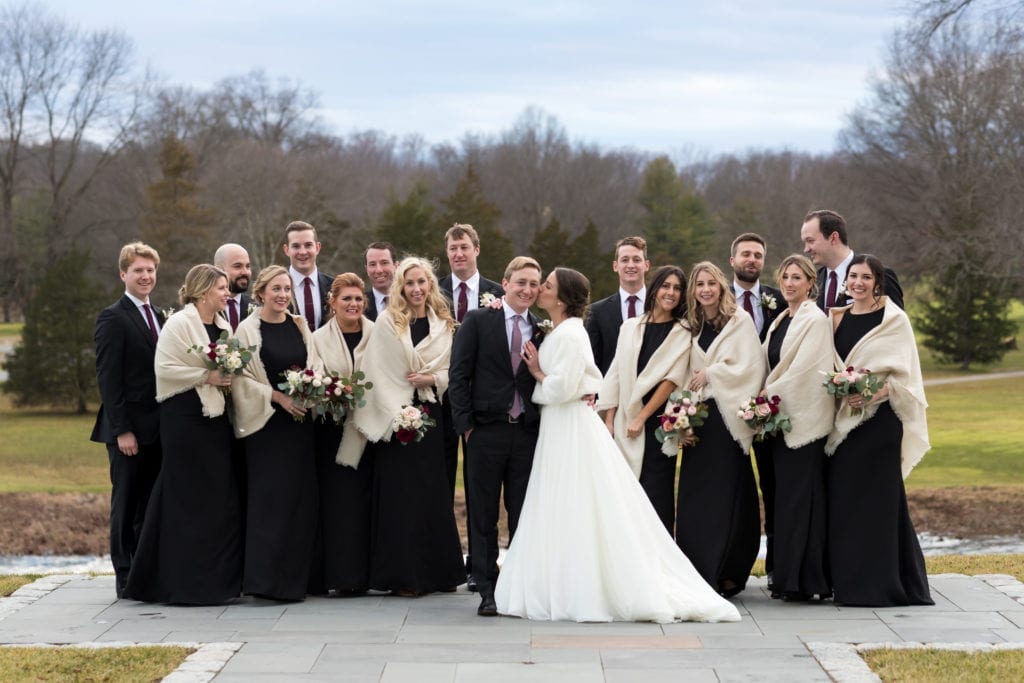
(573, 291)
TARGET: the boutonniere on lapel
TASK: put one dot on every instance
(167, 312)
(253, 306)
(487, 299)
(543, 327)
(841, 291)
(768, 301)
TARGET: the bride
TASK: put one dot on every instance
(589, 545)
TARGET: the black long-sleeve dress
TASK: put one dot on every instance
(658, 472)
(800, 553)
(718, 524)
(415, 545)
(190, 551)
(282, 493)
(875, 558)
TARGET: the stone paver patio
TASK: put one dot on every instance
(440, 638)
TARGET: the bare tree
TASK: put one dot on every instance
(939, 148)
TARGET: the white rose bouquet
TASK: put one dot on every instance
(226, 355)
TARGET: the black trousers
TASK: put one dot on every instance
(131, 481)
(498, 455)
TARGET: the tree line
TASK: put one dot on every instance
(95, 152)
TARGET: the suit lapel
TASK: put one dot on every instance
(136, 317)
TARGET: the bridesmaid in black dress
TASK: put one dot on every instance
(281, 512)
(415, 547)
(718, 524)
(190, 551)
(875, 557)
(799, 351)
(659, 335)
(342, 561)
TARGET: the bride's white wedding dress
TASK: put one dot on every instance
(589, 546)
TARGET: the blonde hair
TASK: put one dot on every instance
(199, 280)
(264, 278)
(520, 262)
(399, 307)
(805, 266)
(134, 250)
(726, 302)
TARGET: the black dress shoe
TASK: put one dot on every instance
(795, 596)
(487, 608)
(470, 583)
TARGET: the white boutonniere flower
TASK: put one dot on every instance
(544, 327)
(167, 312)
(841, 291)
(253, 306)
(768, 301)
(486, 299)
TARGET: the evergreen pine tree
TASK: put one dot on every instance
(467, 204)
(676, 222)
(174, 222)
(967, 319)
(55, 363)
(587, 257)
(552, 244)
(410, 225)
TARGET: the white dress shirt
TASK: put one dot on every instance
(755, 292)
(299, 294)
(139, 303)
(624, 296)
(472, 292)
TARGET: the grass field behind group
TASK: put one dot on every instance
(976, 432)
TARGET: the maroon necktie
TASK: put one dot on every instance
(307, 285)
(151, 322)
(631, 311)
(515, 349)
(830, 296)
(463, 301)
(748, 303)
(233, 314)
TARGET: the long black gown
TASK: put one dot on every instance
(190, 551)
(282, 497)
(415, 544)
(718, 524)
(342, 560)
(874, 554)
(800, 554)
(658, 471)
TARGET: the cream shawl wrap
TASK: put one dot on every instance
(179, 370)
(622, 388)
(251, 391)
(889, 351)
(330, 346)
(387, 363)
(806, 353)
(735, 368)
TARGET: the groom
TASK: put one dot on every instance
(490, 391)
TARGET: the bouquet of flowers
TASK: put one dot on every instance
(226, 355)
(683, 412)
(341, 394)
(761, 413)
(412, 423)
(306, 387)
(850, 381)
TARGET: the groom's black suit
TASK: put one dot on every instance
(127, 381)
(499, 452)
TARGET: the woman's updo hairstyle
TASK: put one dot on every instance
(199, 280)
(573, 291)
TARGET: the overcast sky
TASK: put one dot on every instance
(658, 76)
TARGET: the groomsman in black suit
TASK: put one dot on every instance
(310, 287)
(823, 234)
(129, 418)
(608, 314)
(465, 290)
(381, 260)
(764, 304)
(490, 392)
(233, 259)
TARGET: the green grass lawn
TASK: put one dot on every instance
(10, 332)
(977, 436)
